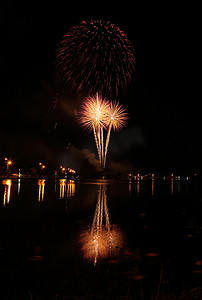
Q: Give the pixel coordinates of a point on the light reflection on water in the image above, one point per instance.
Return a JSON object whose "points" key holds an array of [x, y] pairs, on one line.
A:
{"points": [[19, 182], [64, 189], [67, 188], [172, 186], [7, 191], [41, 184]]}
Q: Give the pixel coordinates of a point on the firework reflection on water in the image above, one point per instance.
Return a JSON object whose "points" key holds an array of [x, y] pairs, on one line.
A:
{"points": [[101, 239]]}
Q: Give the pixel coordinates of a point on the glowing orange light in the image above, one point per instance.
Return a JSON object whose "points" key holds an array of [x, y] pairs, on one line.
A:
{"points": [[152, 187], [129, 186], [41, 184], [8, 162], [62, 188], [171, 186], [7, 191], [70, 188], [138, 186]]}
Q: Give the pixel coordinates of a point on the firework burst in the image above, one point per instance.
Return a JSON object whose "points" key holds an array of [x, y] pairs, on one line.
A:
{"points": [[94, 116], [94, 112], [99, 114], [95, 56], [117, 116]]}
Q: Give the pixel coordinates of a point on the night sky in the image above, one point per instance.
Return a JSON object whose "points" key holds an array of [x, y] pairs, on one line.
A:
{"points": [[164, 131]]}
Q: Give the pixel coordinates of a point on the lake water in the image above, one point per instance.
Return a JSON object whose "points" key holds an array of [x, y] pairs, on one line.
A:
{"points": [[111, 239]]}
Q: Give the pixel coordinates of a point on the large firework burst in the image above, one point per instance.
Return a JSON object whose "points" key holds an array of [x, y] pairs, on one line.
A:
{"points": [[97, 114], [96, 56]]}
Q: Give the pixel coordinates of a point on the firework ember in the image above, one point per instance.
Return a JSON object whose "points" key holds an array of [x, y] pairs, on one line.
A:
{"points": [[96, 56]]}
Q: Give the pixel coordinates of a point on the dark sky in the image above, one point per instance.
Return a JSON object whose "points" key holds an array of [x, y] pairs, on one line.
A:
{"points": [[164, 131]]}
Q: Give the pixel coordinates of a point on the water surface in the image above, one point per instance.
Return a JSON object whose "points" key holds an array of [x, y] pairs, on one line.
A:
{"points": [[41, 222]]}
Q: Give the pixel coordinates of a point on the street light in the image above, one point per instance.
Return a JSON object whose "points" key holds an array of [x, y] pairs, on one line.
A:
{"points": [[42, 166], [8, 162]]}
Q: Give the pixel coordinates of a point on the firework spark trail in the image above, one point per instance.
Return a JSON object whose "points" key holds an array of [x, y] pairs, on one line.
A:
{"points": [[117, 117], [93, 116], [96, 56], [107, 143], [102, 144], [96, 142], [99, 143]]}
